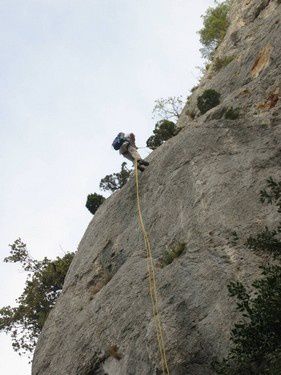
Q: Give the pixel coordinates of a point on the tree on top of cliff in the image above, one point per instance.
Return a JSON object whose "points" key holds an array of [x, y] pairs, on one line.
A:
{"points": [[42, 288], [215, 25]]}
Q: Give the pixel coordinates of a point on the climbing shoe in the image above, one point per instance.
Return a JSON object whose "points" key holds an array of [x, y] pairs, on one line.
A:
{"points": [[140, 167], [143, 162]]}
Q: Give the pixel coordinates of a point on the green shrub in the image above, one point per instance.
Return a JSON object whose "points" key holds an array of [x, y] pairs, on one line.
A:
{"points": [[115, 181], [232, 114], [172, 253], [272, 194], [208, 100], [163, 131], [94, 201], [222, 62], [256, 338], [43, 286], [215, 25]]}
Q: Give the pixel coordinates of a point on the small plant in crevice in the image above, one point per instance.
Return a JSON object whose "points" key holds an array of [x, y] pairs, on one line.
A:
{"points": [[232, 114], [170, 254], [208, 100], [222, 62]]}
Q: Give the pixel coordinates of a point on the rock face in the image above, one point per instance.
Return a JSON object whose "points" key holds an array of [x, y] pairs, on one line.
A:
{"points": [[200, 186]]}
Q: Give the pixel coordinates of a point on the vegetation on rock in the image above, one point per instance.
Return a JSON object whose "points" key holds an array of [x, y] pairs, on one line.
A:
{"points": [[215, 25], [208, 100], [170, 254], [117, 180], [42, 288], [232, 114], [163, 131], [94, 201], [222, 62], [256, 338]]}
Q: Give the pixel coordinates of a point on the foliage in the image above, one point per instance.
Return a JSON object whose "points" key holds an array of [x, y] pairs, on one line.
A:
{"points": [[222, 62], [115, 181], [42, 288], [168, 109], [215, 25], [163, 131], [272, 194], [94, 201], [209, 99], [172, 253], [256, 338], [267, 240], [232, 114]]}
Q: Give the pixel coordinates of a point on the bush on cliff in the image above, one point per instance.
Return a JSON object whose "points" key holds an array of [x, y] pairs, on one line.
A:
{"points": [[208, 100], [256, 338], [94, 201], [43, 286], [117, 180], [215, 25], [163, 131]]}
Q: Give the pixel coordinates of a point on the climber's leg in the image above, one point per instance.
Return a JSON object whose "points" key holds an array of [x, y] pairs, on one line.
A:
{"points": [[143, 162], [141, 168], [134, 153], [128, 156]]}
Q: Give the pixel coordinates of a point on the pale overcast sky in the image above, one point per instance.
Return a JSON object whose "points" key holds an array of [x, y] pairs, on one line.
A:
{"points": [[73, 74]]}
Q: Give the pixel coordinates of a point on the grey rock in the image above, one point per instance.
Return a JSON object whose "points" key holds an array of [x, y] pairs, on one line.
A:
{"points": [[200, 186]]}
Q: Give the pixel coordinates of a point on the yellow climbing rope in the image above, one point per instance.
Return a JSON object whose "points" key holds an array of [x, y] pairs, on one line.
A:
{"points": [[152, 283]]}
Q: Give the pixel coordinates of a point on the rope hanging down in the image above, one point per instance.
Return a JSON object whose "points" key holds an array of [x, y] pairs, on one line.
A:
{"points": [[152, 283]]}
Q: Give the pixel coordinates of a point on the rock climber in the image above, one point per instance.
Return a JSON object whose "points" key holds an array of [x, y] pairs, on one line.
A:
{"points": [[126, 144]]}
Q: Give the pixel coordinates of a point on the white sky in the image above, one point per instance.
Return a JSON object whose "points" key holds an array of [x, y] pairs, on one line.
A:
{"points": [[73, 74]]}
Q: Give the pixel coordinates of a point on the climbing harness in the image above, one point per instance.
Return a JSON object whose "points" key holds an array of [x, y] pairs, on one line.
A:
{"points": [[152, 283]]}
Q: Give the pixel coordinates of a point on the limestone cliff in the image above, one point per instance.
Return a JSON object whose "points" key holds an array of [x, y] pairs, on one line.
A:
{"points": [[200, 186]]}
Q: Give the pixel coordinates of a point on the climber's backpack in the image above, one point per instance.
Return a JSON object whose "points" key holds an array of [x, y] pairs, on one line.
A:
{"points": [[118, 141]]}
